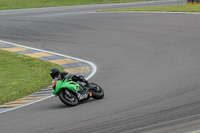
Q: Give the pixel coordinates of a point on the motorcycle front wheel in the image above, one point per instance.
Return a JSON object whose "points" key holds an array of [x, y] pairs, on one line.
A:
{"points": [[68, 99]]}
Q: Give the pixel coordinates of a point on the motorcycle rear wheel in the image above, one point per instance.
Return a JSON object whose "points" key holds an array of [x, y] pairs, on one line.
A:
{"points": [[97, 94], [70, 101]]}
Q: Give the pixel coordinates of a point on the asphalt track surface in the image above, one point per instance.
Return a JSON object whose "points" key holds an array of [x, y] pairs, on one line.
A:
{"points": [[148, 65]]}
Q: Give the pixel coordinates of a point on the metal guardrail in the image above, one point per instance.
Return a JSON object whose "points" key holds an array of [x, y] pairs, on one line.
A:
{"points": [[190, 2]]}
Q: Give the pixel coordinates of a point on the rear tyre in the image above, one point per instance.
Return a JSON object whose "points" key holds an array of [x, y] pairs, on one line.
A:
{"points": [[69, 100], [98, 92]]}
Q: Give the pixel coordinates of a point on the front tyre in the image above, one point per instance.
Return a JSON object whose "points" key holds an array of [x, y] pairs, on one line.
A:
{"points": [[68, 99], [97, 92]]}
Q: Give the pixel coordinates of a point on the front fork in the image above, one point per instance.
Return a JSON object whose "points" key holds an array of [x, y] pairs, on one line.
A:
{"points": [[67, 93]]}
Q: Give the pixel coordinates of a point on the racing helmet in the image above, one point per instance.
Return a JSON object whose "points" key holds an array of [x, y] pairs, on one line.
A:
{"points": [[54, 72]]}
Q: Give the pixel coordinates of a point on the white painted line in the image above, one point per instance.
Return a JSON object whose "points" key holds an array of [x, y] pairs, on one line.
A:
{"points": [[194, 13], [196, 132], [26, 104], [94, 67], [93, 71], [151, 12]]}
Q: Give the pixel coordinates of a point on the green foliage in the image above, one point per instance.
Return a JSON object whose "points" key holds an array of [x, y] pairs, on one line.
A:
{"points": [[176, 8], [17, 4], [22, 75]]}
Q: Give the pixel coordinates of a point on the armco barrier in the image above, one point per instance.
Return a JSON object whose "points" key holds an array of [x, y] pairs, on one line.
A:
{"points": [[195, 1], [189, 2]]}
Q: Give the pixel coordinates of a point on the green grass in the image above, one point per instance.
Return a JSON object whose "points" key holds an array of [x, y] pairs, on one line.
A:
{"points": [[176, 8], [16, 4], [21, 75]]}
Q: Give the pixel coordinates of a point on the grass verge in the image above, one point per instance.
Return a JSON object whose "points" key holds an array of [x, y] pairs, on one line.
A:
{"points": [[22, 75], [176, 8], [19, 4]]}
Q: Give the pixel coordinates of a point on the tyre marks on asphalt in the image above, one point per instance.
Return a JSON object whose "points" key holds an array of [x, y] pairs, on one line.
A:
{"points": [[70, 64]]}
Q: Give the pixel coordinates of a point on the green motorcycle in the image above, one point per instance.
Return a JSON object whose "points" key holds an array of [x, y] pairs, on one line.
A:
{"points": [[71, 92]]}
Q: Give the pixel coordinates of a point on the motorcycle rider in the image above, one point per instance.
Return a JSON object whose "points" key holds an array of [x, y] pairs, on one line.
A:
{"points": [[57, 75]]}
